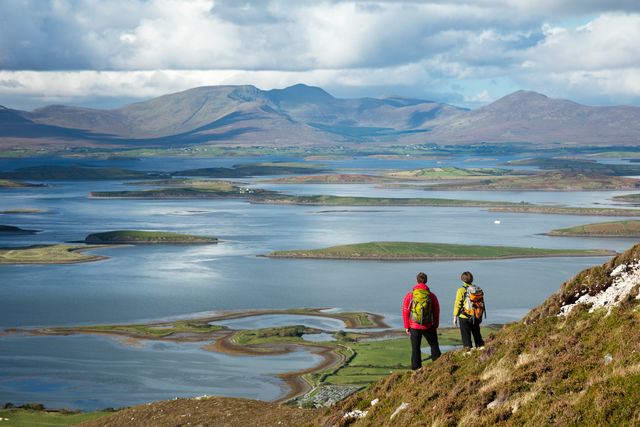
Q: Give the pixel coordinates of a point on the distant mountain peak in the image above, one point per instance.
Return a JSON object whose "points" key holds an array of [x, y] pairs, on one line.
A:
{"points": [[300, 93]]}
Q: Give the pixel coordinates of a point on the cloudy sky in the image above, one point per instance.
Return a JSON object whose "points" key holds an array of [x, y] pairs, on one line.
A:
{"points": [[105, 53]]}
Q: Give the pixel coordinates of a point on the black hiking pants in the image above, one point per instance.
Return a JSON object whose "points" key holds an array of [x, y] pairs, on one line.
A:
{"points": [[431, 335], [468, 328]]}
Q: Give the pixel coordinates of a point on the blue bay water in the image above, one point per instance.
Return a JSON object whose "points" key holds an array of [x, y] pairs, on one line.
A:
{"points": [[139, 283]]}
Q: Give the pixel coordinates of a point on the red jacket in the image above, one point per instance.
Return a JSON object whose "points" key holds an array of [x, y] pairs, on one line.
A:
{"points": [[435, 306]]}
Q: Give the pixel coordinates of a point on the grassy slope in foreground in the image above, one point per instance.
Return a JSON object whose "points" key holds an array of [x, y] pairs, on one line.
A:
{"points": [[603, 229], [389, 251], [580, 369], [145, 237], [47, 254]]}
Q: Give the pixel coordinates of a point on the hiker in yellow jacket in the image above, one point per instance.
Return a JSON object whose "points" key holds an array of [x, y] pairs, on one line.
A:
{"points": [[468, 324]]}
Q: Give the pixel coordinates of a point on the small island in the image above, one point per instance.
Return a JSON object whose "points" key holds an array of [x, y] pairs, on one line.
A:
{"points": [[20, 211], [10, 229], [412, 251], [9, 183], [545, 181], [629, 198], [604, 229], [137, 237], [48, 254]]}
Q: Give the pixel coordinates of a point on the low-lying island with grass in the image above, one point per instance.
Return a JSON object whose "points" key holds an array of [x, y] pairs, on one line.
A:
{"points": [[415, 251], [629, 229], [138, 237]]}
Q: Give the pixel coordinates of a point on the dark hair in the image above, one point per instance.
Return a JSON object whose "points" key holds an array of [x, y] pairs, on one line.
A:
{"points": [[467, 277], [421, 277]]}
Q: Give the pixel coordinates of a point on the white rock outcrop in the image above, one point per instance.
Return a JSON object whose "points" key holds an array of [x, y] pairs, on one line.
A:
{"points": [[626, 278]]}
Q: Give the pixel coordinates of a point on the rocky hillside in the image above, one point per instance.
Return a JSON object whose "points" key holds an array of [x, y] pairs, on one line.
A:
{"points": [[574, 360], [305, 115]]}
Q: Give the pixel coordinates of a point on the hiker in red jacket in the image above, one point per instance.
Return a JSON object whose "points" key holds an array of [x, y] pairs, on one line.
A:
{"points": [[421, 315]]}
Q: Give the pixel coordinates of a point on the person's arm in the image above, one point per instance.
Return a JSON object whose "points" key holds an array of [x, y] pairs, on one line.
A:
{"points": [[457, 305], [405, 311], [435, 306]]}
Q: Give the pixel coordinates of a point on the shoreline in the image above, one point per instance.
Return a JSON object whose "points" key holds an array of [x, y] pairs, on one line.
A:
{"points": [[223, 341]]}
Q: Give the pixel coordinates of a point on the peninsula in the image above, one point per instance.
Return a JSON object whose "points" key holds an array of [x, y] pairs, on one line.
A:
{"points": [[138, 237], [604, 229], [410, 251]]}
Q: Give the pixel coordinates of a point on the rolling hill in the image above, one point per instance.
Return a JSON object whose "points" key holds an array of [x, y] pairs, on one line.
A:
{"points": [[303, 115]]}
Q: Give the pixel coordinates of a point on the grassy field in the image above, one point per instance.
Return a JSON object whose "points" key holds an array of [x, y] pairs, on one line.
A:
{"points": [[145, 237], [372, 360], [427, 251], [31, 418], [603, 229], [48, 254]]}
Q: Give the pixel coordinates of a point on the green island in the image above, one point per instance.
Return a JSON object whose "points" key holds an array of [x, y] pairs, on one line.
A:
{"points": [[74, 172], [329, 179], [146, 237], [403, 251], [450, 173], [22, 211], [545, 181], [49, 254], [565, 210], [628, 198], [10, 229], [184, 189], [579, 165], [327, 200], [213, 189], [253, 169], [603, 229], [9, 183]]}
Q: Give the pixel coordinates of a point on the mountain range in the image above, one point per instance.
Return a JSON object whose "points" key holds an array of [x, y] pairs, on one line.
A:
{"points": [[309, 116]]}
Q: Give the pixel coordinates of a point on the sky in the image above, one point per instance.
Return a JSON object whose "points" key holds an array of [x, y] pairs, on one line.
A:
{"points": [[107, 53]]}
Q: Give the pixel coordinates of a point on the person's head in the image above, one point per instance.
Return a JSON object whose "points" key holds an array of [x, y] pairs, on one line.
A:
{"points": [[421, 277], [467, 277]]}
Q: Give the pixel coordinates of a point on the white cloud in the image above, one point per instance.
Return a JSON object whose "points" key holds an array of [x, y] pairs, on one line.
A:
{"points": [[63, 49]]}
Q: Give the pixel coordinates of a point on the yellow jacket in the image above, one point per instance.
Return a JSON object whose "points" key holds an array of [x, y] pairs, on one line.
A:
{"points": [[458, 305]]}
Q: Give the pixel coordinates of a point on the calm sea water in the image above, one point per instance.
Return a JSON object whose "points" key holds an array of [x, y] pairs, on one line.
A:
{"points": [[157, 282]]}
